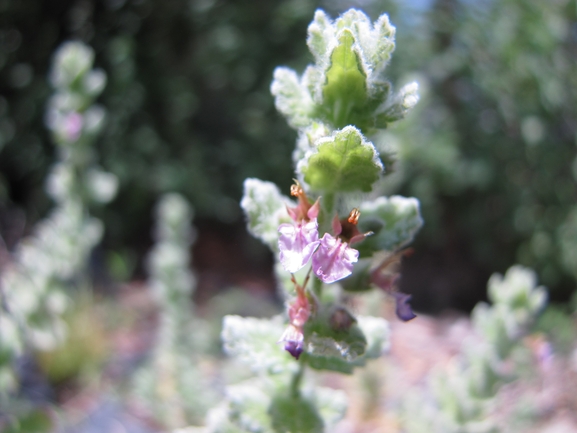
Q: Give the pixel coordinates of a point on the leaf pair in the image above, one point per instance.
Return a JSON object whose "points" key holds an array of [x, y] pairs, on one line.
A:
{"points": [[346, 85]]}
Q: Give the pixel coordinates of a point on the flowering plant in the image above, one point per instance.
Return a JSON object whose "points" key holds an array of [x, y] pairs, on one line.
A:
{"points": [[34, 291], [325, 250], [464, 397], [172, 383]]}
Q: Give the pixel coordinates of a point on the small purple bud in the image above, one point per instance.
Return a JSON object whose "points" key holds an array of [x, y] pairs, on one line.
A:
{"points": [[293, 340], [403, 309], [294, 348]]}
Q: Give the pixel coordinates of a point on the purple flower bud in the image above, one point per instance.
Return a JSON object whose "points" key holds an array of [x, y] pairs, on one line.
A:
{"points": [[297, 243], [334, 259], [293, 340], [403, 309]]}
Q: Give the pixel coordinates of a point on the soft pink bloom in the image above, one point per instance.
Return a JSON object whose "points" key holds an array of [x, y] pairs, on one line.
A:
{"points": [[334, 259], [332, 256], [73, 126], [297, 243]]}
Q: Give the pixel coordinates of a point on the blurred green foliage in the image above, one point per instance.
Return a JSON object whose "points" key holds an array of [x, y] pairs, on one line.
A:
{"points": [[559, 327], [85, 349], [490, 151], [188, 101]]}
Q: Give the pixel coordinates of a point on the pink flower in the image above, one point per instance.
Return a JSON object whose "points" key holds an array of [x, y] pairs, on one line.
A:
{"points": [[73, 126], [297, 243], [299, 240], [334, 259], [332, 256]]}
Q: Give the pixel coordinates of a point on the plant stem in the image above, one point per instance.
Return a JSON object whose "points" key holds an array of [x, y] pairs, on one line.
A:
{"points": [[317, 287], [328, 206], [297, 379]]}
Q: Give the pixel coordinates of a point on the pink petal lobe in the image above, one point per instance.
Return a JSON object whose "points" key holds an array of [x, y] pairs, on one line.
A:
{"points": [[314, 210], [334, 259], [297, 243], [73, 126]]}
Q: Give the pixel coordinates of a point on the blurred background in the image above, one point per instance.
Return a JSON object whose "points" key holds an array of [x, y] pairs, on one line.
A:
{"points": [[490, 150]]}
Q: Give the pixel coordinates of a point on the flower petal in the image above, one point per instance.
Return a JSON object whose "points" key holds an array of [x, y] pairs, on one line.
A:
{"points": [[73, 126], [334, 259], [297, 243], [403, 309]]}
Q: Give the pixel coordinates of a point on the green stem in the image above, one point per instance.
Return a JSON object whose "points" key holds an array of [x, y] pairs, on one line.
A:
{"points": [[317, 287], [328, 212], [297, 379]]}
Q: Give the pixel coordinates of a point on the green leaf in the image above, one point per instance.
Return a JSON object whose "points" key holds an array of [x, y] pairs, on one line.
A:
{"points": [[267, 407], [331, 404], [330, 347], [491, 324], [394, 222], [342, 162], [292, 98], [248, 405], [255, 342], [377, 333], [376, 42], [265, 208], [514, 289], [294, 413], [398, 106], [360, 279], [345, 89], [307, 138], [320, 33], [346, 85], [70, 62], [342, 350]]}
